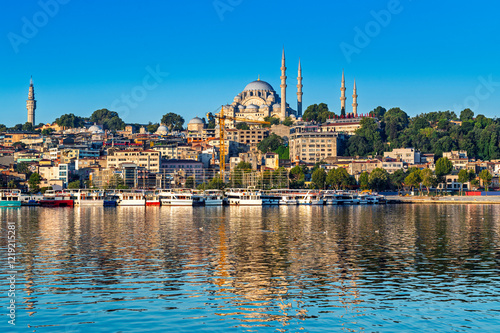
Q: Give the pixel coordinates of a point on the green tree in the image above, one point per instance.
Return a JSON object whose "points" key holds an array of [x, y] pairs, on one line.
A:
{"points": [[378, 112], [34, 182], [242, 126], [271, 143], [395, 120], [317, 112], [428, 179], [466, 115], [297, 176], [486, 177], [398, 178], [288, 121], [190, 182], [70, 120], [272, 120], [12, 184], [23, 167], [173, 121], [379, 179], [210, 120], [151, 128], [413, 179], [338, 178], [443, 168], [108, 119], [28, 127], [3, 128], [318, 178], [364, 183], [74, 185], [243, 166], [283, 152], [47, 131], [463, 177]]}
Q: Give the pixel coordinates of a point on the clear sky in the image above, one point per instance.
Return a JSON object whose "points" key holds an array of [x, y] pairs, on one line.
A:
{"points": [[419, 55]]}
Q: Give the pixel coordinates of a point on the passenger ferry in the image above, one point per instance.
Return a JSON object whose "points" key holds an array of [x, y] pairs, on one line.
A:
{"points": [[52, 198], [31, 200], [213, 197], [152, 198], [270, 198], [310, 198], [286, 197], [130, 198], [242, 197], [367, 198], [347, 198], [181, 197], [84, 198], [329, 198], [10, 198]]}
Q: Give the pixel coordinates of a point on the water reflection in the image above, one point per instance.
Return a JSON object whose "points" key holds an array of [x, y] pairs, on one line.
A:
{"points": [[380, 268]]}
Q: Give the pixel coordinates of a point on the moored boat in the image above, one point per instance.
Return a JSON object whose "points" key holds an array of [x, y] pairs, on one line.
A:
{"points": [[152, 198], [10, 198], [130, 198], [52, 198], [242, 197], [213, 197]]}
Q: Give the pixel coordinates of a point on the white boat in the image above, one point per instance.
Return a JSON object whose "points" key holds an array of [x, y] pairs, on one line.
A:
{"points": [[152, 198], [286, 197], [181, 197], [10, 198], [329, 198], [310, 198], [213, 197], [130, 198], [242, 197], [89, 198], [30, 200], [347, 198], [270, 198]]}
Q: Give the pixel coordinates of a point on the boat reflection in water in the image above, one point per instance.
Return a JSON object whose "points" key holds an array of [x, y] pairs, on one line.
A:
{"points": [[356, 268]]}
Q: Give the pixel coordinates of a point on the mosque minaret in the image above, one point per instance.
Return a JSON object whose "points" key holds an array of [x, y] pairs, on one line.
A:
{"points": [[342, 93], [354, 100], [283, 87], [31, 103], [299, 91]]}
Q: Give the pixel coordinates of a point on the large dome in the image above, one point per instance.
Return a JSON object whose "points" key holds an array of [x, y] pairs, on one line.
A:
{"points": [[196, 120], [258, 85]]}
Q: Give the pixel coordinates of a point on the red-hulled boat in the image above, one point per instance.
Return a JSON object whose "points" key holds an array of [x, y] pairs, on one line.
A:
{"points": [[56, 199]]}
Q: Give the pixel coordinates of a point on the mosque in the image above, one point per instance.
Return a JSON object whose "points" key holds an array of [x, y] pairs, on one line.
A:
{"points": [[259, 100]]}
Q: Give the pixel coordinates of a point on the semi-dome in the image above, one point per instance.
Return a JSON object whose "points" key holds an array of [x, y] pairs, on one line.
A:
{"points": [[196, 120], [258, 85], [252, 106]]}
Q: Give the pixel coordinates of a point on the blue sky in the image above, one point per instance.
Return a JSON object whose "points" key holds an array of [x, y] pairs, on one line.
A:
{"points": [[419, 55]]}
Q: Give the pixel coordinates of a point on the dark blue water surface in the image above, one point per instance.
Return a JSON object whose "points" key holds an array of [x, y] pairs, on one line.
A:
{"points": [[393, 268]]}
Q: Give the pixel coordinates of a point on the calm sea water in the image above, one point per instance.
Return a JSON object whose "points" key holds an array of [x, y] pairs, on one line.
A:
{"points": [[393, 268]]}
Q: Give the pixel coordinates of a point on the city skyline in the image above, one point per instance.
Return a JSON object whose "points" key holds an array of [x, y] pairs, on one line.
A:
{"points": [[193, 59]]}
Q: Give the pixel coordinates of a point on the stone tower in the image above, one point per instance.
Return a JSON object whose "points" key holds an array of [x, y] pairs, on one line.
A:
{"points": [[342, 93], [31, 103], [354, 100], [283, 87], [299, 92]]}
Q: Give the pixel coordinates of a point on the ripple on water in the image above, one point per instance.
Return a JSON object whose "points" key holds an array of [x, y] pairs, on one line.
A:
{"points": [[375, 269]]}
